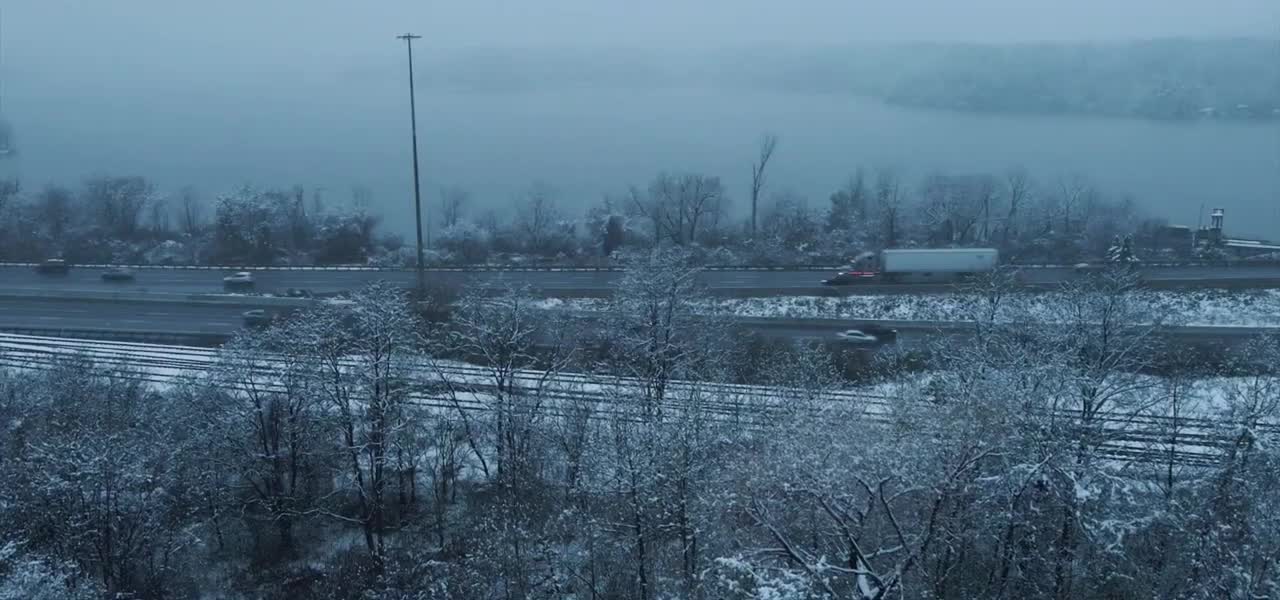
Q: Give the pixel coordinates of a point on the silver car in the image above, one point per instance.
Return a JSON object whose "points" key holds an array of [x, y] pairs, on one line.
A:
{"points": [[241, 280], [857, 336]]}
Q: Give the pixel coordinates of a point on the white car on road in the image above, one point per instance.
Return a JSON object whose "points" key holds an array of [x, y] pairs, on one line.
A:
{"points": [[857, 336], [870, 334], [241, 280]]}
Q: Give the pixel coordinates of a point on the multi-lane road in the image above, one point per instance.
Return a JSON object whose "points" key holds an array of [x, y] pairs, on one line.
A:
{"points": [[326, 281], [192, 281], [216, 321], [53, 313], [567, 281], [30, 301]]}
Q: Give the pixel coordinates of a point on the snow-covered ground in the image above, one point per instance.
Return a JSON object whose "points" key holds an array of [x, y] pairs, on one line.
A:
{"points": [[163, 367], [1234, 308]]}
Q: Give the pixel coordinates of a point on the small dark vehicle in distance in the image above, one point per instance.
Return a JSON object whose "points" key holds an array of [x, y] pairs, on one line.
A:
{"points": [[880, 332], [53, 266], [118, 274], [261, 318], [257, 318]]}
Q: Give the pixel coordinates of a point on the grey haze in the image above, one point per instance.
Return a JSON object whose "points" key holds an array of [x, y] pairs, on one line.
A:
{"points": [[312, 92]]}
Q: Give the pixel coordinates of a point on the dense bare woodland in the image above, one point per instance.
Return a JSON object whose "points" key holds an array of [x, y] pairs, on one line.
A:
{"points": [[349, 453], [128, 220]]}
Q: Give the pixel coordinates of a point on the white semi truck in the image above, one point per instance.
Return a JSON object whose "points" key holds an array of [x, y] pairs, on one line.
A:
{"points": [[933, 265]]}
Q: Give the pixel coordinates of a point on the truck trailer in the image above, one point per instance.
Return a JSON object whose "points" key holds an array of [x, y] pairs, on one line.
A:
{"points": [[931, 265]]}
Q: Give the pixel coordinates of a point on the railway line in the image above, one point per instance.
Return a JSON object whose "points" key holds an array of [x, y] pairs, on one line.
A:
{"points": [[447, 385]]}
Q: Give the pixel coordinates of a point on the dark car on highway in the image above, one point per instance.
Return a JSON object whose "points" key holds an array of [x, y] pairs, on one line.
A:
{"points": [[298, 293], [53, 266], [849, 278], [257, 318], [118, 274], [886, 335], [261, 318]]}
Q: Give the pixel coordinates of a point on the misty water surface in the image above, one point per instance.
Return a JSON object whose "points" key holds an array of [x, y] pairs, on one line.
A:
{"points": [[588, 141]]}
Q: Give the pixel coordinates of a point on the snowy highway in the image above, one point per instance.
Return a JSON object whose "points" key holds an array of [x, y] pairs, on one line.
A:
{"points": [[574, 282], [40, 314]]}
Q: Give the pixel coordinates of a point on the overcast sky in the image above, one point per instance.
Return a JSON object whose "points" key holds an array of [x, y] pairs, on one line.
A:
{"points": [[214, 93], [159, 32]]}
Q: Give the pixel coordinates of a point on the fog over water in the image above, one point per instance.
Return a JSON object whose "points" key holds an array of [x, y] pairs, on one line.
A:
{"points": [[313, 93]]}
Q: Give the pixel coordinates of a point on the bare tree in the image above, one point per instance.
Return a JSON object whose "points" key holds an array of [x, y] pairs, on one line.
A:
{"points": [[158, 215], [790, 221], [511, 338], [767, 146], [889, 202], [118, 202], [362, 361], [453, 202], [663, 438], [269, 427], [537, 216], [680, 207], [957, 209], [9, 190], [654, 327], [1017, 190], [103, 474], [849, 204], [985, 190], [361, 196], [55, 206], [1073, 194], [192, 211]]}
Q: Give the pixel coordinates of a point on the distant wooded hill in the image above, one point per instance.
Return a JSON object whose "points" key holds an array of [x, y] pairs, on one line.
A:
{"points": [[1176, 79]]}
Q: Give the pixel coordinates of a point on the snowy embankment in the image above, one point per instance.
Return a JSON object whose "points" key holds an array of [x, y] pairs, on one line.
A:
{"points": [[464, 389], [1223, 308]]}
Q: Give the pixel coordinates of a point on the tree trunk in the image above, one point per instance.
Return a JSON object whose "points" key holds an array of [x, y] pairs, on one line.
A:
{"points": [[642, 558], [287, 545], [1066, 552]]}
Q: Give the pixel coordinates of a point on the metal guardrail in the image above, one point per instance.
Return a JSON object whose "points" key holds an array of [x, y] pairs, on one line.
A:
{"points": [[180, 338], [833, 325], [609, 269], [156, 297], [432, 269], [1226, 264]]}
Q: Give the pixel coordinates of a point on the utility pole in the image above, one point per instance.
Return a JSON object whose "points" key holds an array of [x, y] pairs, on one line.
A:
{"points": [[1195, 237], [6, 132], [417, 193]]}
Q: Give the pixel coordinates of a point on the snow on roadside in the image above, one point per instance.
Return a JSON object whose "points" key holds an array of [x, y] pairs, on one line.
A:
{"points": [[1223, 308]]}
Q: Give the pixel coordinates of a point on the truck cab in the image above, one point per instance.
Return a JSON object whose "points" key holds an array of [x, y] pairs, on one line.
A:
{"points": [[864, 267]]}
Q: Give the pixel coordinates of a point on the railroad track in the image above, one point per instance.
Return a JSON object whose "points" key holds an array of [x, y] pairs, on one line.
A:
{"points": [[1194, 441]]}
